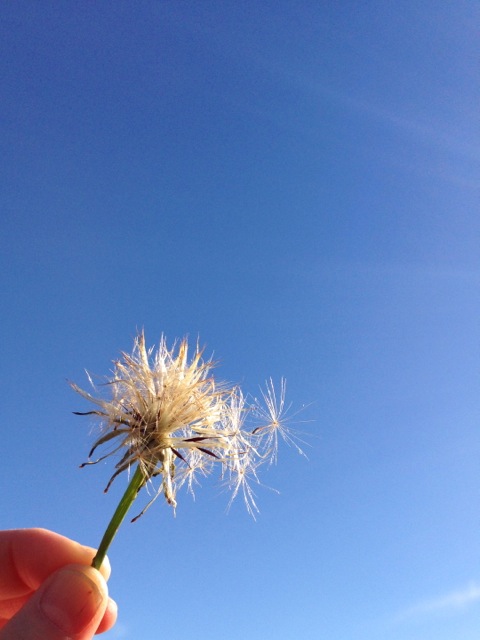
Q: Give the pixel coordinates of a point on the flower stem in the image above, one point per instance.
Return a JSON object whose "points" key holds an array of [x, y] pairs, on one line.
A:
{"points": [[134, 486]]}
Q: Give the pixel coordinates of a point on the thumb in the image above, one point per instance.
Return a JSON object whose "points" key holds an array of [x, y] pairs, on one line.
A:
{"points": [[69, 605]]}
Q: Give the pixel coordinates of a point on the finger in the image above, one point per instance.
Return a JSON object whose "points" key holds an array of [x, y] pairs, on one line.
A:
{"points": [[70, 604], [109, 617], [29, 556], [10, 608]]}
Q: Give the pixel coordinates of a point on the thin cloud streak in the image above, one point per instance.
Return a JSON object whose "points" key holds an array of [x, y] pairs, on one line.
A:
{"points": [[452, 602]]}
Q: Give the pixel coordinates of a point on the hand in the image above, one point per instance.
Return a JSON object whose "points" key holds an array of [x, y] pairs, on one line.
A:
{"points": [[48, 589]]}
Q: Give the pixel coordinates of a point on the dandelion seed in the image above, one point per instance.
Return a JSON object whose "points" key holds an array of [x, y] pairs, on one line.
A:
{"points": [[167, 415], [275, 416]]}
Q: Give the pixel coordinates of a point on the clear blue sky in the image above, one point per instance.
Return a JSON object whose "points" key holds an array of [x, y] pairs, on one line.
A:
{"points": [[297, 183]]}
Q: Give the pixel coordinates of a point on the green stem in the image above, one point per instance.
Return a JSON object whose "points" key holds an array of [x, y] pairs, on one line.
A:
{"points": [[134, 486]]}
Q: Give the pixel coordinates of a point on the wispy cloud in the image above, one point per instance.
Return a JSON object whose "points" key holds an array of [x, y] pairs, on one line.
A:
{"points": [[453, 602], [120, 630]]}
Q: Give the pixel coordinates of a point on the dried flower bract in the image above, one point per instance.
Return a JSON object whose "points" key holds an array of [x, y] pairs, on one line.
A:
{"points": [[166, 413]]}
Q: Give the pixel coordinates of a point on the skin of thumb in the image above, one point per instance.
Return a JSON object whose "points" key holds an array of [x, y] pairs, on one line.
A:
{"points": [[69, 605]]}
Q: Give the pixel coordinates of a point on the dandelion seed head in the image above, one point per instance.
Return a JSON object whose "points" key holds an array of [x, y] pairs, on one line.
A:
{"points": [[166, 412]]}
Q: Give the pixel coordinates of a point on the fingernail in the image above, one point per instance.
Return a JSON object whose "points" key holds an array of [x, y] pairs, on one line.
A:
{"points": [[71, 601]]}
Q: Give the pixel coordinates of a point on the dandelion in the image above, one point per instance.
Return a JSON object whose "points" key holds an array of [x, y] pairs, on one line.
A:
{"points": [[169, 417]]}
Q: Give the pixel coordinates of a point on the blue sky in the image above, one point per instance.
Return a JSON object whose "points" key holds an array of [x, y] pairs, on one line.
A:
{"points": [[296, 183]]}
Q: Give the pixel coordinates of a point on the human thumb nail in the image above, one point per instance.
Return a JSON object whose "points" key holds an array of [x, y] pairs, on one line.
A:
{"points": [[69, 605], [71, 600]]}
